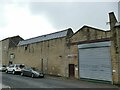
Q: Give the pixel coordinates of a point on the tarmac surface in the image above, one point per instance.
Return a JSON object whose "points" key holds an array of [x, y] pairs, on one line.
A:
{"points": [[18, 81]]}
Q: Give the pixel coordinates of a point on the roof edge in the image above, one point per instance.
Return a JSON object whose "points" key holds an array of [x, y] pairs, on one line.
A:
{"points": [[66, 30], [11, 37], [47, 34], [84, 26]]}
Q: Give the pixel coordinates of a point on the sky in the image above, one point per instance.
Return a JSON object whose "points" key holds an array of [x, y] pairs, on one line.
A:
{"points": [[31, 18]]}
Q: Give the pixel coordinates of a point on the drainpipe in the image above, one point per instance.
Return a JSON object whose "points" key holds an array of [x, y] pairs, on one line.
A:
{"points": [[42, 65]]}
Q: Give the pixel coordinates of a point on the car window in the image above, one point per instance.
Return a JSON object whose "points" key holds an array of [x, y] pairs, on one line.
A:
{"points": [[17, 65], [30, 69], [11, 66], [21, 66], [26, 68], [35, 69], [4, 65]]}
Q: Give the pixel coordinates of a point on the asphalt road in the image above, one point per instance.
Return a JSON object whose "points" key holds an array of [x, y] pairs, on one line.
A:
{"points": [[18, 81]]}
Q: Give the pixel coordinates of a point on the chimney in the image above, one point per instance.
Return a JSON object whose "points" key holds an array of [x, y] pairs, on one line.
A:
{"points": [[113, 20], [114, 49]]}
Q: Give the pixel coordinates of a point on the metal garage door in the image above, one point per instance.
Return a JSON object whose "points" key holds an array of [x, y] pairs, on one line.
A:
{"points": [[94, 61]]}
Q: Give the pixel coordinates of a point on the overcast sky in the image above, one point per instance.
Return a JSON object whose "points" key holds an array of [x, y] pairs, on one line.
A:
{"points": [[34, 18]]}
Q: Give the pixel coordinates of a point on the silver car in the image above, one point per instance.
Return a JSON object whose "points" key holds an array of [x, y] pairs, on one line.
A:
{"points": [[28, 71], [2, 68]]}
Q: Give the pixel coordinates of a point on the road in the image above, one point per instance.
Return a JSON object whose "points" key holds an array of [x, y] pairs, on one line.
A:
{"points": [[18, 81]]}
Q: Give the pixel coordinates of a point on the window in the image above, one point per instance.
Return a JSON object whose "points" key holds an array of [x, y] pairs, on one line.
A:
{"points": [[12, 56], [26, 48]]}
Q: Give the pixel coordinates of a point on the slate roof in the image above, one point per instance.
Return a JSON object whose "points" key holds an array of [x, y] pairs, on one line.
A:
{"points": [[13, 41], [44, 37]]}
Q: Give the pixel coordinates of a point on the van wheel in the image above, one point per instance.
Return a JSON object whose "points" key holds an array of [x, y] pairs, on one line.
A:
{"points": [[6, 71], [22, 74], [13, 72], [32, 75]]}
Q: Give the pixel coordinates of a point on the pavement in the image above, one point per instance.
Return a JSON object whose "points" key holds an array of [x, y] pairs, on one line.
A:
{"points": [[3, 86]]}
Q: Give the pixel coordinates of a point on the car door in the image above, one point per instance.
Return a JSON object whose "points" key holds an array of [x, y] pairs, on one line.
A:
{"points": [[29, 72], [25, 71], [10, 69]]}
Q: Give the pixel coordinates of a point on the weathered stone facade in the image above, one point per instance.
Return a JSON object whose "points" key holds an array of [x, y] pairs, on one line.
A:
{"points": [[85, 35], [48, 56], [117, 66], [5, 44], [114, 48], [116, 56], [53, 56]]}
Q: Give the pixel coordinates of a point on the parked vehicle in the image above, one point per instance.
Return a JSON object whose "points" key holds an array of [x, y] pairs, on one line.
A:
{"points": [[28, 71], [3, 68], [15, 68]]}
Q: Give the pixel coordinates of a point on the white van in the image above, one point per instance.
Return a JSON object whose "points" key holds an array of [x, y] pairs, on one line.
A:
{"points": [[15, 68]]}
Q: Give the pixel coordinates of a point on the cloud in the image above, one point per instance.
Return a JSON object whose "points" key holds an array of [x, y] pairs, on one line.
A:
{"points": [[19, 20], [30, 18]]}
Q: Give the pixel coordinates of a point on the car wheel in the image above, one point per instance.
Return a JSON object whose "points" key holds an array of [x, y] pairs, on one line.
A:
{"points": [[41, 76], [6, 71], [13, 72], [22, 74], [32, 75]]}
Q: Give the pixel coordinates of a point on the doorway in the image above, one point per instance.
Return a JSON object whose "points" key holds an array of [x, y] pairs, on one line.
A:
{"points": [[10, 62], [71, 70]]}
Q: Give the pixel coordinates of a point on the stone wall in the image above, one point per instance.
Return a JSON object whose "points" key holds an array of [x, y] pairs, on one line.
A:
{"points": [[5, 46], [115, 50], [85, 35], [47, 56]]}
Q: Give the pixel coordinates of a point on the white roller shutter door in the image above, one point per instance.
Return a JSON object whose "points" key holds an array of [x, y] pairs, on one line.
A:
{"points": [[95, 61]]}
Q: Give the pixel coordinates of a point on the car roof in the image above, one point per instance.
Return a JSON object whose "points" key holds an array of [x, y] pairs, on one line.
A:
{"points": [[17, 64]]}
